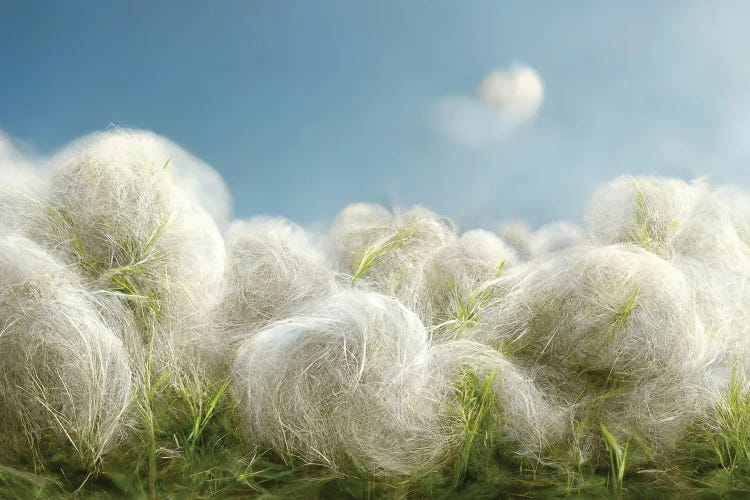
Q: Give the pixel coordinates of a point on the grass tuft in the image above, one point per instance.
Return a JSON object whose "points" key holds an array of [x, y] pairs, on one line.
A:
{"points": [[643, 231], [380, 248], [477, 412], [618, 456]]}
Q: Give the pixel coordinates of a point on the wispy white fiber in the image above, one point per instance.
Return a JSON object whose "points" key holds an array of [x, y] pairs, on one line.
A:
{"points": [[62, 368], [374, 345], [274, 267]]}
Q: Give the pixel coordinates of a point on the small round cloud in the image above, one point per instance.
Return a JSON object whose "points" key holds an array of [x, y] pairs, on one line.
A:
{"points": [[505, 101], [517, 92]]}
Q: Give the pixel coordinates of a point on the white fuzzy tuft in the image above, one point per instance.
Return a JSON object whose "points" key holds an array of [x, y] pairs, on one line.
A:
{"points": [[63, 371], [273, 269]]}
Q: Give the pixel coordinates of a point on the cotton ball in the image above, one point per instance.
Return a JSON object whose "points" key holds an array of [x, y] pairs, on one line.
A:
{"points": [[722, 297], [354, 229], [21, 179], [647, 211], [671, 218], [528, 420], [115, 210], [330, 386], [557, 236], [119, 318], [387, 253], [474, 258], [483, 253], [621, 321], [17, 202], [613, 308], [273, 269], [64, 373], [711, 235], [453, 276], [737, 203], [549, 238], [519, 236], [190, 173]]}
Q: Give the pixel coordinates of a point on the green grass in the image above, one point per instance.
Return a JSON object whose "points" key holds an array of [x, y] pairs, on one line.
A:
{"points": [[729, 437], [621, 317], [642, 218], [184, 438], [618, 456], [128, 271], [380, 248], [191, 449], [646, 235], [477, 412], [717, 455], [466, 307]]}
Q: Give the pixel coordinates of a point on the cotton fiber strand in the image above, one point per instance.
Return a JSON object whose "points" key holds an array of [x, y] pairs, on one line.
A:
{"points": [[20, 182], [549, 238], [330, 386], [712, 235], [374, 348], [647, 211], [356, 381], [452, 279], [622, 320], [273, 269], [64, 374], [529, 421], [190, 174], [387, 252], [722, 299], [115, 210]]}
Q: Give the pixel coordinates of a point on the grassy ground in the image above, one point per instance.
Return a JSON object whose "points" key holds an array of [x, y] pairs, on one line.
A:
{"points": [[184, 445]]}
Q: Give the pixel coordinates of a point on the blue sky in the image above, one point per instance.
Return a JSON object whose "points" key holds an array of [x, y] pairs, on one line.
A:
{"points": [[304, 107]]}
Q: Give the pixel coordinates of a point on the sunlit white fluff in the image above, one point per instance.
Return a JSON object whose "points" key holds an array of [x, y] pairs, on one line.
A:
{"points": [[387, 252], [273, 268], [64, 373], [354, 380], [116, 210], [618, 321]]}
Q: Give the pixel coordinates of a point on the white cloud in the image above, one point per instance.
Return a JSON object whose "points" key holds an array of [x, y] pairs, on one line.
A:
{"points": [[470, 122], [517, 94], [504, 101]]}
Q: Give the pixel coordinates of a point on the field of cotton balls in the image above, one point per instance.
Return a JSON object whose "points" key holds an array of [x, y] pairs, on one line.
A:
{"points": [[152, 347]]}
